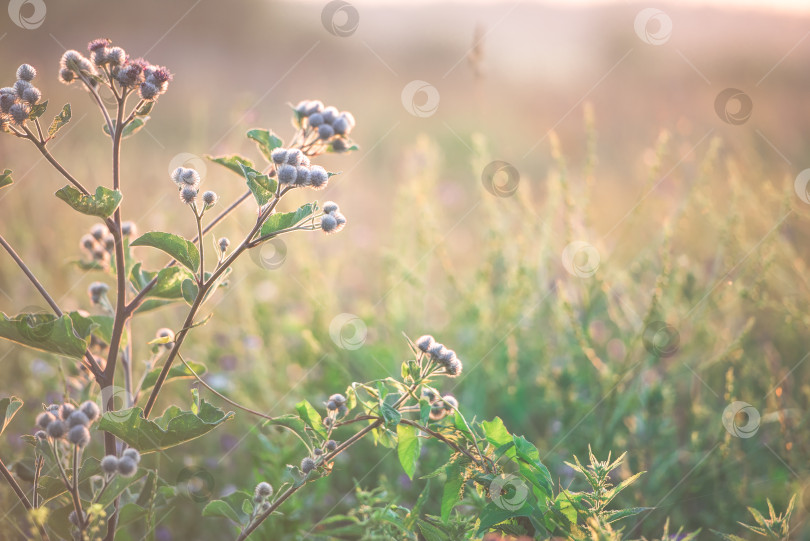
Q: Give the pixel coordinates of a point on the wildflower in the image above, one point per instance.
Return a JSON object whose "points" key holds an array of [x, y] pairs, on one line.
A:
{"points": [[210, 198], [223, 244], [307, 465], [147, 91], [316, 120], [65, 410], [302, 176], [98, 231], [96, 291], [331, 445], [19, 113], [437, 412], [329, 207], [425, 342], [294, 156], [339, 145], [79, 436], [429, 395], [338, 399], [329, 115], [26, 72], [132, 454], [450, 402], [344, 123], [77, 418], [454, 368], [41, 434], [318, 451], [186, 177], [278, 155], [32, 95], [131, 73], [116, 56], [325, 131], [109, 242], [66, 76], [98, 44], [77, 63], [109, 464], [287, 174], [331, 405], [90, 409], [341, 221], [44, 419], [188, 195], [158, 76], [20, 87], [328, 224], [263, 490], [318, 177], [6, 101], [342, 410], [128, 229], [56, 429], [435, 349], [127, 467]]}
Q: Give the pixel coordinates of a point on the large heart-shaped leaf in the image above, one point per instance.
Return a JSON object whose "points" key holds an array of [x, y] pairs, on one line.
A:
{"points": [[266, 141], [44, 332], [102, 204], [184, 251], [234, 163], [172, 428], [282, 220]]}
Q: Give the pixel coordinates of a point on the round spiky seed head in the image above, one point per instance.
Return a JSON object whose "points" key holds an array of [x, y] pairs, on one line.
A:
{"points": [[341, 126], [210, 198], [44, 419], [325, 131], [188, 195], [454, 368], [302, 176], [331, 405], [79, 436], [147, 91], [54, 409], [65, 410], [20, 87], [263, 490], [425, 342], [8, 90], [109, 464], [331, 445], [314, 106], [90, 409], [307, 465], [341, 221], [316, 120], [329, 207], [41, 434], [343, 410], [96, 291], [132, 454], [294, 156], [109, 242], [329, 114], [98, 44], [26, 72], [66, 76], [287, 174], [437, 412], [19, 113], [128, 229], [224, 243], [56, 429], [318, 452], [116, 56], [327, 421], [78, 418], [436, 348], [190, 177], [6, 101], [99, 58], [99, 231], [278, 155], [74, 518], [430, 395], [339, 145], [318, 177], [450, 402], [301, 107], [338, 399], [127, 467], [165, 333], [32, 95], [446, 356], [305, 161]]}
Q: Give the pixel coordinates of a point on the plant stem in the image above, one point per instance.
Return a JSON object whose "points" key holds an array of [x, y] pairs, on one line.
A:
{"points": [[22, 497]]}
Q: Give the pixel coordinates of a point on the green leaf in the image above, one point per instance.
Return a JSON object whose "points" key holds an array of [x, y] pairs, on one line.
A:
{"points": [[130, 129], [294, 424], [43, 332], [234, 163], [492, 515], [37, 110], [408, 447], [311, 417], [453, 486], [169, 283], [566, 507], [184, 251], [152, 304], [496, 432], [431, 532], [190, 291], [145, 109], [219, 508], [9, 406], [102, 204], [175, 372], [5, 178], [266, 141], [528, 459], [390, 414], [283, 220], [82, 325], [261, 186], [60, 120], [172, 428]]}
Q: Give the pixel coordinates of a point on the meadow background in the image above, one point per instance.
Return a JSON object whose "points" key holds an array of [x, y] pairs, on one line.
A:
{"points": [[618, 143]]}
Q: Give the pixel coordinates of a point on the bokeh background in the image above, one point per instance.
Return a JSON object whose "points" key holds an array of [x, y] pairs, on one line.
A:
{"points": [[683, 290]]}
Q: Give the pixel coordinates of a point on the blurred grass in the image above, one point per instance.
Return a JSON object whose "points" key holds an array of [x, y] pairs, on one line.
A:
{"points": [[695, 221]]}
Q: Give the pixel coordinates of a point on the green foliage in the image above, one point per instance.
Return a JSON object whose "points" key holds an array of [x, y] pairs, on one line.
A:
{"points": [[59, 120], [184, 251], [5, 178], [102, 204], [265, 140], [44, 332], [283, 220], [260, 185]]}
